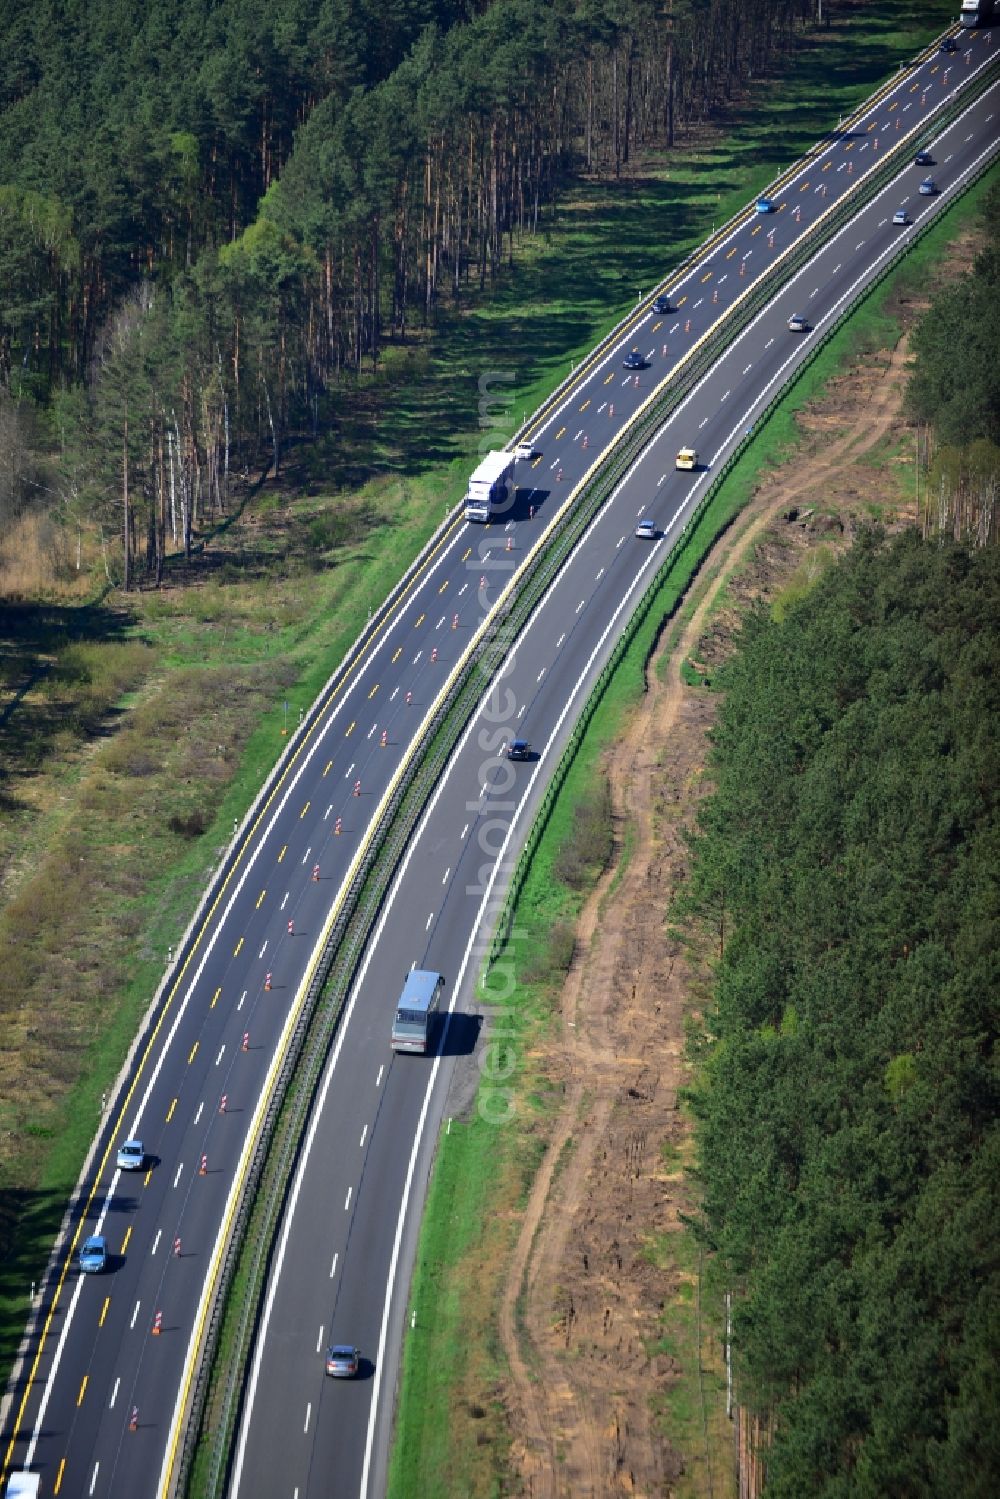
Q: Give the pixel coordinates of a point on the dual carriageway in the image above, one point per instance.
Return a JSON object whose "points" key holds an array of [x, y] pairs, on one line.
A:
{"points": [[346, 1245]]}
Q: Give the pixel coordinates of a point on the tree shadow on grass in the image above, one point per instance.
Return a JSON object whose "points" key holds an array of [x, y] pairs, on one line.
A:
{"points": [[490, 355], [31, 638], [29, 1222]]}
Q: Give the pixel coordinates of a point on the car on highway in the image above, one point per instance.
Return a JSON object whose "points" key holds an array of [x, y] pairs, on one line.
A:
{"points": [[519, 749], [131, 1156], [765, 205], [662, 304], [927, 188], [633, 360], [686, 458], [525, 450], [923, 159], [646, 530], [948, 44], [901, 217], [93, 1257], [342, 1361], [797, 323]]}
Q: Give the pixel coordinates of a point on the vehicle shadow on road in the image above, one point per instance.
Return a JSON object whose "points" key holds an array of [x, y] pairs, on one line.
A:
{"points": [[459, 1038]]}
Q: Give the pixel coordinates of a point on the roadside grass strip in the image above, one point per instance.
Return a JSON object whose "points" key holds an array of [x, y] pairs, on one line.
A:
{"points": [[451, 1437]]}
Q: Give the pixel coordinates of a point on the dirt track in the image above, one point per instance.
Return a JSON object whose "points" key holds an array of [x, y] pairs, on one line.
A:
{"points": [[583, 1303]]}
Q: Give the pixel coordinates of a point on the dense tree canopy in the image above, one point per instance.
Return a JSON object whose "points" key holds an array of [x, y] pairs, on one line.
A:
{"points": [[209, 209], [954, 388], [848, 864]]}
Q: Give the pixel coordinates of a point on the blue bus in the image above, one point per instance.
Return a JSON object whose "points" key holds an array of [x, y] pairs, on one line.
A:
{"points": [[413, 1027]]}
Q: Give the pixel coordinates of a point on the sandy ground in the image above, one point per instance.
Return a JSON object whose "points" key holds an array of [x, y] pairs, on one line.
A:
{"points": [[583, 1304]]}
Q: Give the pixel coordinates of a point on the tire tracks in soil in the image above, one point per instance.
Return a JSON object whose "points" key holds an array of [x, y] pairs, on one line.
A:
{"points": [[573, 1332]]}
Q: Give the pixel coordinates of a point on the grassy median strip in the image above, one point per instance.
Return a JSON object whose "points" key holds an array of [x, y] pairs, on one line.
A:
{"points": [[140, 823]]}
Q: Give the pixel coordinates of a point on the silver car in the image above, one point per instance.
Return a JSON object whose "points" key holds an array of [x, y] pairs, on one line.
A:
{"points": [[342, 1361], [131, 1156]]}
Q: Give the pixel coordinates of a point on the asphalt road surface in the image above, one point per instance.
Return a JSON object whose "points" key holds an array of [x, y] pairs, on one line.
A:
{"points": [[95, 1368]]}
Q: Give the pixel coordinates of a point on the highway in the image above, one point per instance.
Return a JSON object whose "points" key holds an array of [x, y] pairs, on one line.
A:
{"points": [[94, 1360]]}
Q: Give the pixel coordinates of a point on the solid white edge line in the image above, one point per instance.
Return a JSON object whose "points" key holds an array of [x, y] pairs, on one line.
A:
{"points": [[473, 938], [537, 769], [272, 1290], [349, 1009], [427, 1096], [136, 1127]]}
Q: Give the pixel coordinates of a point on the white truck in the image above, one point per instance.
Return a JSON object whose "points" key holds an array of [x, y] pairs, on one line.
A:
{"points": [[23, 1485], [976, 12], [488, 486]]}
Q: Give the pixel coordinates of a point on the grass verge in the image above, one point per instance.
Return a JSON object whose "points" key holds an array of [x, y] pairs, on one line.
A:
{"points": [[451, 1433], [118, 793]]}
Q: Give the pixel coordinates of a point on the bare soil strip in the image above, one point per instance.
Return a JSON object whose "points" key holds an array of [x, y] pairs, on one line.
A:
{"points": [[582, 1310]]}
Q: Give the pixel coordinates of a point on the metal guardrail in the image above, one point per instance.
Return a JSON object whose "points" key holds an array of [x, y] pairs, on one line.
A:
{"points": [[637, 619], [280, 1139], [278, 1148], [719, 235]]}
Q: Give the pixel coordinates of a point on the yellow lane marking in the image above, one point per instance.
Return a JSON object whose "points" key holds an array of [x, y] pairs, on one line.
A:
{"points": [[83, 1389], [350, 728], [215, 998], [655, 329], [329, 764], [418, 622], [444, 585], [397, 653], [170, 1111], [149, 1174], [755, 229], [260, 899], [194, 1053], [343, 683], [128, 1235], [559, 433], [348, 675], [465, 557], [682, 300], [609, 378], [731, 253], [827, 165], [373, 692], [104, 1311], [59, 1475], [707, 277], [305, 809], [284, 850], [236, 949], [804, 186], [585, 404]]}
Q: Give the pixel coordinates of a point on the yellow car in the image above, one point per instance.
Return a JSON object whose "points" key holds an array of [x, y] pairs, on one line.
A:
{"points": [[686, 458]]}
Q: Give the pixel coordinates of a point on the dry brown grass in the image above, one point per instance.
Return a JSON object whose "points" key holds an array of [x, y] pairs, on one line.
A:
{"points": [[39, 559], [69, 926]]}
